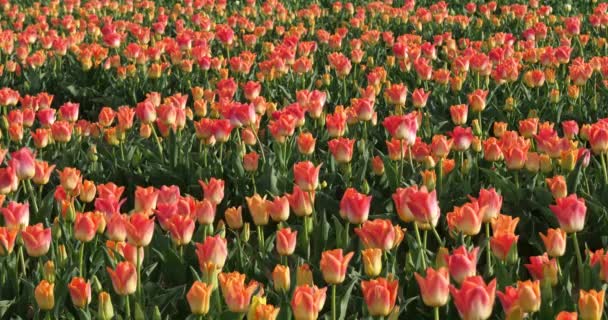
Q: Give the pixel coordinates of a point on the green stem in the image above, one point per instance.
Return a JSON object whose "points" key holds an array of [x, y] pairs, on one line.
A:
{"points": [[604, 169], [81, 259], [127, 308], [579, 259], [32, 193], [436, 313], [21, 259], [489, 251], [422, 252], [334, 288], [157, 139], [139, 288], [260, 238], [255, 133]]}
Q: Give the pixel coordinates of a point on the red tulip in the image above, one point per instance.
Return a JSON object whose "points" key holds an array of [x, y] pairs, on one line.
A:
{"points": [[333, 265], [24, 163], [16, 215], [181, 228], [7, 240], [286, 241], [466, 219], [459, 114], [474, 299], [140, 229], [278, 209], [462, 263], [214, 249], [306, 175], [555, 242], [424, 207], [355, 206], [124, 278], [542, 268], [85, 227], [570, 213], [80, 292], [378, 233], [301, 202], [434, 287], [402, 127], [37, 240], [213, 190], [341, 149], [477, 100]]}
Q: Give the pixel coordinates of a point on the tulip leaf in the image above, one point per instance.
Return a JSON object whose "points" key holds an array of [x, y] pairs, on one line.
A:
{"points": [[344, 301], [5, 305]]}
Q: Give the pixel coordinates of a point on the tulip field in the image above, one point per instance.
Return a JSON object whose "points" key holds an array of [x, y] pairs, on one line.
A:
{"points": [[289, 159]]}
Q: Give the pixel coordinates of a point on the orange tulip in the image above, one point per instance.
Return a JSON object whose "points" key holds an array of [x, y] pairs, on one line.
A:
{"points": [[258, 210], [7, 240], [234, 217], [214, 249], [286, 241], [529, 295], [236, 294], [37, 240], [181, 228], [281, 278], [44, 295], [372, 261], [140, 229], [565, 315], [80, 292], [198, 298], [70, 178], [304, 275], [124, 278], [555, 242], [334, 265], [307, 302], [306, 175], [380, 295], [434, 288], [591, 304]]}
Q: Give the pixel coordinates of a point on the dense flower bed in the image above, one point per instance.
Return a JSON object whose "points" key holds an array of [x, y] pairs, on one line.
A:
{"points": [[297, 159]]}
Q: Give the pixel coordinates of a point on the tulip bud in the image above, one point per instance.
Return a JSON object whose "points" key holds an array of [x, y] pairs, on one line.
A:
{"points": [[568, 160], [49, 271], [429, 179], [509, 104], [245, 233], [476, 127], [96, 284], [372, 261], [281, 278], [62, 254], [546, 165], [378, 166], [56, 229], [157, 315], [304, 276], [442, 257], [105, 310]]}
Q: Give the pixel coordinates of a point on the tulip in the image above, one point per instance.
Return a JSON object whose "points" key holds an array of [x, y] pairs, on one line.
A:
{"points": [[281, 278], [213, 190], [278, 209], [378, 233], [380, 295], [105, 310], [262, 311], [37, 240], [44, 295], [372, 261], [555, 242], [250, 161], [570, 213], [124, 278], [85, 227], [529, 295], [80, 292], [333, 265], [234, 217], [400, 199], [70, 179], [459, 114], [301, 202], [307, 302], [181, 228], [304, 275], [543, 269], [16, 215], [424, 207], [7, 240], [236, 294], [306, 143], [286, 241], [341, 149], [116, 228], [140, 229], [198, 298], [474, 299], [402, 127], [87, 191], [510, 303], [257, 208], [145, 199], [214, 250], [434, 288], [591, 304], [502, 243], [477, 100], [24, 163], [489, 203], [462, 263], [466, 219], [565, 315], [43, 172], [204, 211], [355, 206]]}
